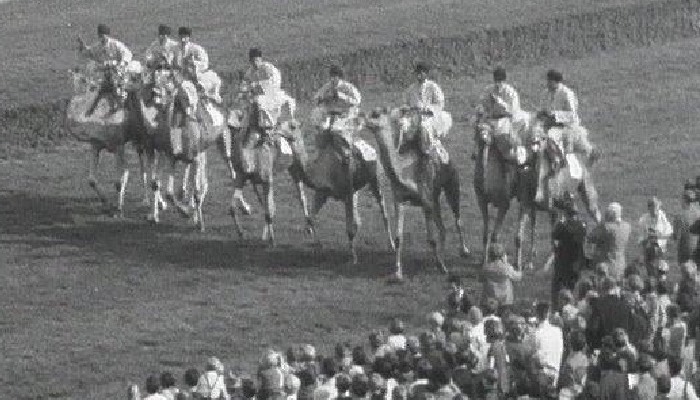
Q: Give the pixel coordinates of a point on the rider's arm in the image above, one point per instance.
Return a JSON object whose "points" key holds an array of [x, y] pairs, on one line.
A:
{"points": [[125, 54], [274, 78], [436, 97], [350, 94], [514, 102], [321, 93], [200, 59]]}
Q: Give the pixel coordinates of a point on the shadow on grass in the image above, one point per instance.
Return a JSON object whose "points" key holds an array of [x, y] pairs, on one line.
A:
{"points": [[46, 221]]}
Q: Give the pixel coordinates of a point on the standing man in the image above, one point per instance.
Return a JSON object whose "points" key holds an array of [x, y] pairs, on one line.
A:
{"points": [[568, 237], [426, 96], [564, 128], [499, 109], [610, 238], [109, 54]]}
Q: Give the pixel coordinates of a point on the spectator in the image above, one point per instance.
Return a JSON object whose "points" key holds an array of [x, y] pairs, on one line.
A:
{"points": [[688, 287], [167, 384], [211, 384], [396, 339], [608, 312], [676, 333], [326, 389], [463, 376], [292, 385], [689, 215], [497, 355], [152, 389], [422, 383], [613, 383], [575, 367], [646, 387], [498, 276], [568, 237], [549, 346], [307, 382], [133, 393], [359, 361], [191, 378], [359, 387], [271, 377], [520, 354], [654, 222], [663, 385], [248, 389], [681, 389], [610, 240], [456, 294]]}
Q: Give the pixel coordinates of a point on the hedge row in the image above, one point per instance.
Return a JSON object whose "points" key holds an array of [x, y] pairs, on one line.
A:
{"points": [[478, 51], [474, 53]]}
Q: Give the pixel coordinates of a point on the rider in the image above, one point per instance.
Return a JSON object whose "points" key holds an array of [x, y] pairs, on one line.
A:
{"points": [[565, 130], [426, 96], [108, 53], [499, 108], [193, 61], [160, 54], [263, 82], [336, 96]]}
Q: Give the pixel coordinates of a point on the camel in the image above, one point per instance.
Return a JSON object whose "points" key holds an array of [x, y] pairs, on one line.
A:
{"points": [[105, 131], [540, 189], [268, 150], [202, 128], [495, 182], [340, 173], [416, 185]]}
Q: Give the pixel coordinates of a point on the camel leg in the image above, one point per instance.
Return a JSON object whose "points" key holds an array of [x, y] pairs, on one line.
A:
{"points": [[238, 200], [302, 198], [379, 197], [124, 179], [533, 225], [144, 166], [429, 220], [182, 208], [319, 201], [452, 195], [269, 206], [485, 238], [589, 195], [399, 210], [352, 220], [498, 224], [519, 236], [201, 188], [92, 180]]}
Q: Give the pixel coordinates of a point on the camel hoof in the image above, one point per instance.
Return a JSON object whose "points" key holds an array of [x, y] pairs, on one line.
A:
{"points": [[184, 212], [309, 231], [443, 268], [395, 278], [392, 246], [464, 253]]}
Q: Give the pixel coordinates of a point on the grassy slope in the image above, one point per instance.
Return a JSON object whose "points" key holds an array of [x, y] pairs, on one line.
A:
{"points": [[91, 303], [38, 45]]}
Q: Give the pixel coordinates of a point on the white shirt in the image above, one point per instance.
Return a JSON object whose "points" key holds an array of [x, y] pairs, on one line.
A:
{"points": [[549, 345], [679, 387], [562, 102], [156, 396], [348, 95], [326, 391], [425, 95], [267, 76], [499, 99], [166, 50], [112, 50], [191, 54], [661, 225], [397, 342], [211, 384]]}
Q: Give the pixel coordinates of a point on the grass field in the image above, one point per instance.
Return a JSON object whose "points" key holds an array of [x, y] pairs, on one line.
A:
{"points": [[38, 37], [90, 303]]}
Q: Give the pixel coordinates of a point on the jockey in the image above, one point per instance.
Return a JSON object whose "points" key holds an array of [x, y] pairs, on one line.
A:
{"points": [[160, 54], [499, 107], [262, 82], [337, 96], [193, 61], [565, 130], [108, 53], [426, 96]]}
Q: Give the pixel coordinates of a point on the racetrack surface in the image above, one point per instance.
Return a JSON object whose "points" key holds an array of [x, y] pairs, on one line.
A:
{"points": [[90, 303]]}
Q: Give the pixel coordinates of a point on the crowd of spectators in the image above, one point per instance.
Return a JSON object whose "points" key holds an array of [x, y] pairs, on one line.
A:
{"points": [[611, 330]]}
